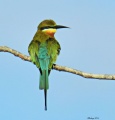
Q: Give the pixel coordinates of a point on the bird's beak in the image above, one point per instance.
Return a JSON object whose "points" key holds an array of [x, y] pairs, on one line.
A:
{"points": [[60, 26]]}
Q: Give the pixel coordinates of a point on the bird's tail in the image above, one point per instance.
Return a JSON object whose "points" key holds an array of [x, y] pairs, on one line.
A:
{"points": [[44, 84]]}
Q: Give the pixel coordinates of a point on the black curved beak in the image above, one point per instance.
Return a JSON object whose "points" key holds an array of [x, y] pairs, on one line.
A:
{"points": [[60, 26]]}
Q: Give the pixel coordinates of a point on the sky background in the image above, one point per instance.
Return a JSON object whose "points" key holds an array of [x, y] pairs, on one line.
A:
{"points": [[88, 46]]}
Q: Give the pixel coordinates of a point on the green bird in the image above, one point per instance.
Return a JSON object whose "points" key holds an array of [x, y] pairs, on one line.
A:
{"points": [[43, 50]]}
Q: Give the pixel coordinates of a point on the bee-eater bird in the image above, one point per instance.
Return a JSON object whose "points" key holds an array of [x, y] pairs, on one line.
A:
{"points": [[43, 50]]}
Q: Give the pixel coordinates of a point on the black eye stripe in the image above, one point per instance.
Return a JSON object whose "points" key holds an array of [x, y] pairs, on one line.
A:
{"points": [[46, 27]]}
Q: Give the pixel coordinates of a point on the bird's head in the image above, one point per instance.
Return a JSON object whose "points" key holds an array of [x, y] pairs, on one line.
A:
{"points": [[49, 27]]}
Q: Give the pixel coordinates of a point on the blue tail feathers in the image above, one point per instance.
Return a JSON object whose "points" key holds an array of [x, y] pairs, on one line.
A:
{"points": [[44, 84]]}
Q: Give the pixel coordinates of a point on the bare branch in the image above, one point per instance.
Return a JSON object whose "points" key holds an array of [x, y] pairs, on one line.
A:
{"points": [[84, 74], [14, 52], [61, 68]]}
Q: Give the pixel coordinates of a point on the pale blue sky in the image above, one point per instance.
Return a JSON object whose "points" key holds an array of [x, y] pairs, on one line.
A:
{"points": [[88, 46]]}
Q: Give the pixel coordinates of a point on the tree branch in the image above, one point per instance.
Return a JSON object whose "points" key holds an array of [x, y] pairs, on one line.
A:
{"points": [[14, 52], [60, 68]]}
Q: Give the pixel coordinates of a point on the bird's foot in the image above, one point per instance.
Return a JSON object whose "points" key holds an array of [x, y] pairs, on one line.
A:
{"points": [[53, 66]]}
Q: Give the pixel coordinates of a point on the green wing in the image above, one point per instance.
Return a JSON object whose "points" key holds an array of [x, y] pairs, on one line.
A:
{"points": [[33, 51], [53, 49]]}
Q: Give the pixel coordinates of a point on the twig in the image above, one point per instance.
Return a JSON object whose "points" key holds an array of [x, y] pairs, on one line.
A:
{"points": [[61, 68], [14, 52]]}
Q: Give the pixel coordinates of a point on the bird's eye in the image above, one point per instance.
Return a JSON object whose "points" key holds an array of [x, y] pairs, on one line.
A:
{"points": [[46, 27]]}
